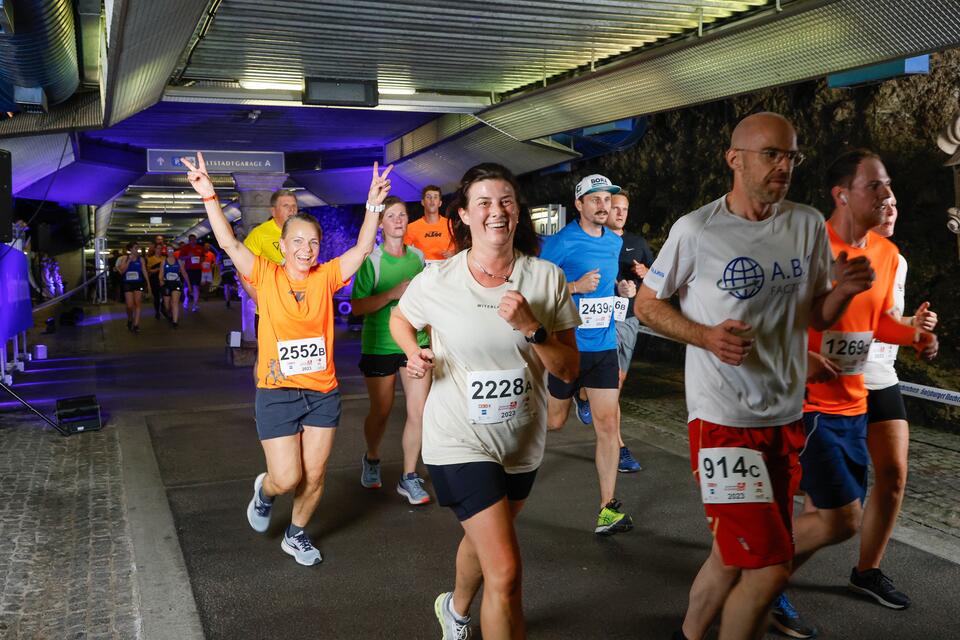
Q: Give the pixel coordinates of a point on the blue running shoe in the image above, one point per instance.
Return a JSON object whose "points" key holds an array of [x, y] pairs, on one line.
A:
{"points": [[787, 621], [258, 511], [370, 473], [583, 409], [411, 488], [301, 548], [628, 464]]}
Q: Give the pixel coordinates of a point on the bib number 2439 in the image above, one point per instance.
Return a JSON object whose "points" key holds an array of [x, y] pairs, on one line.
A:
{"points": [[733, 475], [497, 396], [302, 356]]}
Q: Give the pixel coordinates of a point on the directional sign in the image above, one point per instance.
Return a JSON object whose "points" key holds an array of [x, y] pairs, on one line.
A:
{"points": [[168, 161]]}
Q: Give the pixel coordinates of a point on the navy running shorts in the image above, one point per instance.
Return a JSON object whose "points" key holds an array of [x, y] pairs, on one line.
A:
{"points": [[284, 412], [194, 277], [598, 370], [471, 487], [885, 404], [834, 459]]}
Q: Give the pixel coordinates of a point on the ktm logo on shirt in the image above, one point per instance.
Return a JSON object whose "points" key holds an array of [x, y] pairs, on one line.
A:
{"points": [[433, 234]]}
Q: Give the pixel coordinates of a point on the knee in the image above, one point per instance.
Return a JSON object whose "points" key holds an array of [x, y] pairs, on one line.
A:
{"points": [[606, 424], [285, 482], [893, 478], [846, 524], [314, 477], [504, 579]]}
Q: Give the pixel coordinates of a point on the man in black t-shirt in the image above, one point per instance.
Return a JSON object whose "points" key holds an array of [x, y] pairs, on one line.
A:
{"points": [[635, 258]]}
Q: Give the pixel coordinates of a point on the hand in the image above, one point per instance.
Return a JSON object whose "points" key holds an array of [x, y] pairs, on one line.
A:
{"points": [[627, 288], [926, 345], [398, 290], [722, 341], [853, 276], [588, 282], [640, 269], [379, 185], [198, 177], [516, 311], [924, 318], [420, 363], [820, 368]]}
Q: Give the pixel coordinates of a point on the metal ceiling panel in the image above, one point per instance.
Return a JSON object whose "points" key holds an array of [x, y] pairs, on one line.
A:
{"points": [[350, 186], [467, 46], [445, 163], [809, 39], [82, 183], [36, 157], [82, 111]]}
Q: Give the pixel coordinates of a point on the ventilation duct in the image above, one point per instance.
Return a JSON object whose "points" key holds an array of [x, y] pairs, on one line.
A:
{"points": [[39, 56]]}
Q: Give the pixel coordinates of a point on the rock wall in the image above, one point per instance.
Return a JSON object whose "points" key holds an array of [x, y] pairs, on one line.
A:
{"points": [[679, 166]]}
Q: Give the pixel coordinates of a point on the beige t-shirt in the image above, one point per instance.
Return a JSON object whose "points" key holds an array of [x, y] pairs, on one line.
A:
{"points": [[467, 336]]}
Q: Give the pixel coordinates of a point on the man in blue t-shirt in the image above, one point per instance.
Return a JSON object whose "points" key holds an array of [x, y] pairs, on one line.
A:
{"points": [[589, 254]]}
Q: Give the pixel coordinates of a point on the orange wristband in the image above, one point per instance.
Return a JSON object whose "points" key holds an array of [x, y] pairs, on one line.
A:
{"points": [[209, 198]]}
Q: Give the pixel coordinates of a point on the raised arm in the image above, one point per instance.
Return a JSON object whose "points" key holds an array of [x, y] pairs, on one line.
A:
{"points": [[242, 257], [353, 257]]}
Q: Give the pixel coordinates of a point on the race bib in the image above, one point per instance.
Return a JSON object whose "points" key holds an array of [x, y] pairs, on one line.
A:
{"points": [[194, 259], [302, 356], [848, 350], [620, 306], [595, 312], [733, 475], [883, 353], [227, 262], [206, 265], [172, 277], [496, 396], [132, 276]]}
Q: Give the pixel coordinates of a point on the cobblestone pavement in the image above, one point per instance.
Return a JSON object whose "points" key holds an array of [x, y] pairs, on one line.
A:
{"points": [[653, 403], [66, 562]]}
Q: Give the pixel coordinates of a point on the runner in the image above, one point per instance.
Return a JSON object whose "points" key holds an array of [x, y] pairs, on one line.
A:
{"points": [[206, 267], [192, 255], [381, 280], [499, 318], [298, 402], [588, 252], [635, 258], [154, 260], [431, 233], [132, 268], [174, 277], [228, 277], [835, 456], [752, 271]]}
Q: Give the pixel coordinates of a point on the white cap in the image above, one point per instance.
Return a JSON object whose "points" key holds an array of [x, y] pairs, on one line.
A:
{"points": [[595, 182]]}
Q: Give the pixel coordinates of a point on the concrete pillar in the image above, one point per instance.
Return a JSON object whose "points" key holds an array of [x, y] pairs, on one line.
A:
{"points": [[254, 190]]}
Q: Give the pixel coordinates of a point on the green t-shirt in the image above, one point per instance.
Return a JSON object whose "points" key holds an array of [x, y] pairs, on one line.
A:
{"points": [[381, 272]]}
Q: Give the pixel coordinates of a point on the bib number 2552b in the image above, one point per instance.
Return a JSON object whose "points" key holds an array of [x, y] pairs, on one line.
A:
{"points": [[302, 356], [732, 475]]}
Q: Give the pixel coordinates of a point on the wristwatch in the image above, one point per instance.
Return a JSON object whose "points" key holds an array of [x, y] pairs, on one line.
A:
{"points": [[538, 337]]}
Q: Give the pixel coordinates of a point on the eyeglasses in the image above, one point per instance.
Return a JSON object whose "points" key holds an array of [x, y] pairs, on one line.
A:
{"points": [[775, 156]]}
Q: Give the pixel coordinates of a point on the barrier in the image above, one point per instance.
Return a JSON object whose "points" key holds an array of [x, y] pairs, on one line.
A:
{"points": [[934, 394]]}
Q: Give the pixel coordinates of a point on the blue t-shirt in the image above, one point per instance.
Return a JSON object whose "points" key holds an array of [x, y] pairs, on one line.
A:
{"points": [[576, 253]]}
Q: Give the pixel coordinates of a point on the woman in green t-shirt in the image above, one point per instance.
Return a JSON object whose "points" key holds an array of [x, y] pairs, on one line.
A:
{"points": [[381, 280]]}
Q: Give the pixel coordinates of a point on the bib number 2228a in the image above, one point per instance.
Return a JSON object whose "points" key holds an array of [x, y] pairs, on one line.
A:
{"points": [[497, 396]]}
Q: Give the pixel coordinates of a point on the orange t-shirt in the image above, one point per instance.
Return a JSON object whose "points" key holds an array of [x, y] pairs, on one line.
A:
{"points": [[208, 259], [432, 239], [848, 340], [298, 330]]}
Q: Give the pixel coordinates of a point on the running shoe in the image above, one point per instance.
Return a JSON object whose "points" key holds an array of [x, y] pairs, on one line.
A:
{"points": [[129, 325], [195, 308], [301, 548], [370, 473], [583, 409], [787, 621], [258, 511], [628, 464], [878, 586], [453, 629], [611, 520], [411, 488]]}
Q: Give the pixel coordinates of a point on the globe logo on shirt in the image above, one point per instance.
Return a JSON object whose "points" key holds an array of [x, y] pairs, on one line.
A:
{"points": [[742, 278]]}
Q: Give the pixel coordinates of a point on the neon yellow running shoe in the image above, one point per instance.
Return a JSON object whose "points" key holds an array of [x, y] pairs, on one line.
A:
{"points": [[611, 520]]}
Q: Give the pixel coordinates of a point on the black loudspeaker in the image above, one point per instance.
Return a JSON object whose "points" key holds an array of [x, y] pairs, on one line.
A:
{"points": [[79, 414], [6, 196]]}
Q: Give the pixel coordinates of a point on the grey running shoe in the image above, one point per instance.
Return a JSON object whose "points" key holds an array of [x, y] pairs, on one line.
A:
{"points": [[301, 548], [875, 584], [258, 511], [370, 473], [411, 488], [453, 629]]}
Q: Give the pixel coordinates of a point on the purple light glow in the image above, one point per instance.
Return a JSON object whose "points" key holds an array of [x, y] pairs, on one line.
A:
{"points": [[76, 381], [100, 318]]}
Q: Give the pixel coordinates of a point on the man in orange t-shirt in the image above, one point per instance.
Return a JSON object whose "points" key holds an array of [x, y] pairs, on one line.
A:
{"points": [[835, 457], [431, 233]]}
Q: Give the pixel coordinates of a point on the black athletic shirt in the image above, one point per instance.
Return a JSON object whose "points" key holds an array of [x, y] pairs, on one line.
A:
{"points": [[634, 248]]}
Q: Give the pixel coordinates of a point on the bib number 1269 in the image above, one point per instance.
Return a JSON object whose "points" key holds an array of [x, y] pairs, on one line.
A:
{"points": [[731, 475]]}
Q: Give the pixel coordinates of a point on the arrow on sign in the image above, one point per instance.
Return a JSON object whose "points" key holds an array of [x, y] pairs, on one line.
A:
{"points": [[160, 161]]}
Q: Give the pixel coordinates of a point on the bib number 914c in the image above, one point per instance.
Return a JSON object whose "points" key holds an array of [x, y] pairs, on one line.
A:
{"points": [[732, 475]]}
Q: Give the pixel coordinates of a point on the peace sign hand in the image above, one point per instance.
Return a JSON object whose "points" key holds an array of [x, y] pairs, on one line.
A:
{"points": [[379, 185], [198, 177]]}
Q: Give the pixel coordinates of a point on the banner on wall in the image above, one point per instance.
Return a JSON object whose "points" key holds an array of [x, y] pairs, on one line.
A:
{"points": [[16, 309]]}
